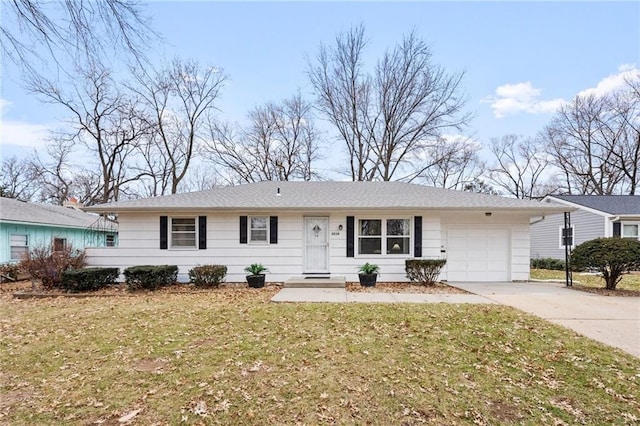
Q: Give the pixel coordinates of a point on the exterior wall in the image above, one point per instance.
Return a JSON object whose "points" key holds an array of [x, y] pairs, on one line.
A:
{"points": [[545, 235], [37, 236], [519, 237], [139, 244]]}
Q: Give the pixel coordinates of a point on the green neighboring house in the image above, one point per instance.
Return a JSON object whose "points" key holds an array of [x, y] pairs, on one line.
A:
{"points": [[25, 225]]}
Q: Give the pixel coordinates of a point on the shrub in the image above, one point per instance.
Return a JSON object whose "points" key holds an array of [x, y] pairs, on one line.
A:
{"points": [[9, 272], [424, 271], [256, 269], [150, 277], [208, 275], [369, 268], [88, 279], [547, 263], [44, 264], [612, 257]]}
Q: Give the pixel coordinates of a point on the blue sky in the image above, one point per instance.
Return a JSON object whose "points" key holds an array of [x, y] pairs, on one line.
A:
{"points": [[521, 59]]}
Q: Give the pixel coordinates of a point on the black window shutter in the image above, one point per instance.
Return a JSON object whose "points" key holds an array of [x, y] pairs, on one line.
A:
{"points": [[273, 230], [202, 232], [243, 230], [350, 235], [164, 225], [617, 229], [417, 236]]}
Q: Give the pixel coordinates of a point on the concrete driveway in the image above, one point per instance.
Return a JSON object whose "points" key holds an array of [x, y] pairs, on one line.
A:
{"points": [[614, 321]]}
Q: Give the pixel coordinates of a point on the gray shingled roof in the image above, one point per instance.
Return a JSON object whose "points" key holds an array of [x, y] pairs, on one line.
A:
{"points": [[327, 196], [612, 204], [45, 214]]}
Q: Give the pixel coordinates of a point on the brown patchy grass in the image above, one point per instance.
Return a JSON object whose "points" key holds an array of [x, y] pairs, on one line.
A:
{"points": [[228, 356], [629, 286]]}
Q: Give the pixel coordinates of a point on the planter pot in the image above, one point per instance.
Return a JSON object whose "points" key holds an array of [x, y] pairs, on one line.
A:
{"points": [[256, 281], [368, 280]]}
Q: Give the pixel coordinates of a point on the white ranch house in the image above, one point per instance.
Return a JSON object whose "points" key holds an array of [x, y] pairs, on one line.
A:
{"points": [[327, 229]]}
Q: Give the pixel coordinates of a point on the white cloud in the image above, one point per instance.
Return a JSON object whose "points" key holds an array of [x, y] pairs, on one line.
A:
{"points": [[21, 133], [511, 99], [613, 82]]}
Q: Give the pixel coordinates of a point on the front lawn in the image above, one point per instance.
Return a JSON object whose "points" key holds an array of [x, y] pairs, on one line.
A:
{"points": [[629, 281], [229, 356]]}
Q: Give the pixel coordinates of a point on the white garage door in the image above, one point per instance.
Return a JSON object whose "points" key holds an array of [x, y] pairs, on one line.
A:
{"points": [[478, 254]]}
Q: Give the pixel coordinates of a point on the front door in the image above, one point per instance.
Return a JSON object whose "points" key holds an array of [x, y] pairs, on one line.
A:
{"points": [[316, 245]]}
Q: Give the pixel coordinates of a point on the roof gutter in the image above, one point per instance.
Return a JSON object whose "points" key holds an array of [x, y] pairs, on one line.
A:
{"points": [[537, 220]]}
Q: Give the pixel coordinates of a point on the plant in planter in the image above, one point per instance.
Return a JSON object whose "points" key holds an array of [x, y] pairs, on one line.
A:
{"points": [[256, 271], [368, 274]]}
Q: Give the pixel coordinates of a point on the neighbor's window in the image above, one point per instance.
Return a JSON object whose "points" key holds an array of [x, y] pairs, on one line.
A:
{"points": [[19, 245], [258, 229], [59, 244], [183, 232], [630, 231], [566, 237], [111, 240], [384, 236]]}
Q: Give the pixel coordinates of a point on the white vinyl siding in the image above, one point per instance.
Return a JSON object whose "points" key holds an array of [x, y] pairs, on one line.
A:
{"points": [[183, 232], [19, 246], [138, 243]]}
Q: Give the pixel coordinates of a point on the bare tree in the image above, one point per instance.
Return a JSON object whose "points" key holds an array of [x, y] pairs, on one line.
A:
{"points": [[52, 172], [518, 166], [388, 119], [454, 163], [104, 121], [281, 143], [179, 101], [86, 30], [17, 179], [594, 142]]}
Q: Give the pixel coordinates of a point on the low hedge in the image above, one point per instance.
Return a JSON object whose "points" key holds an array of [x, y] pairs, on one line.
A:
{"points": [[207, 275], [88, 279], [424, 271], [150, 277], [547, 263]]}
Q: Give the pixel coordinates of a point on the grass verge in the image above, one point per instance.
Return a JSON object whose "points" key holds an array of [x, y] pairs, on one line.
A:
{"points": [[629, 281], [228, 356]]}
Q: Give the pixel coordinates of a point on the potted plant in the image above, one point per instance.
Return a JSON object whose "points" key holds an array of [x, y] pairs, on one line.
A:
{"points": [[368, 274], [256, 275]]}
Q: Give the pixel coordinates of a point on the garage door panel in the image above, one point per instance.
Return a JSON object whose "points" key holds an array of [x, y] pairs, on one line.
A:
{"points": [[478, 254]]}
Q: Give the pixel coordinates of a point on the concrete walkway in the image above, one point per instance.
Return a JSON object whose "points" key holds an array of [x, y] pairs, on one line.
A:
{"points": [[611, 320], [614, 321]]}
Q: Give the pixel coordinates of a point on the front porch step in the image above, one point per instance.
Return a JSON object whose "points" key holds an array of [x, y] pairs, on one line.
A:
{"points": [[315, 282]]}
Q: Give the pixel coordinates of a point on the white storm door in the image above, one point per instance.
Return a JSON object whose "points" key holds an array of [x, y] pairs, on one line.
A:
{"points": [[316, 244]]}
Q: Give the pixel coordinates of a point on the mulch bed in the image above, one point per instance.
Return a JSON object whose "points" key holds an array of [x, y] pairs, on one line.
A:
{"points": [[402, 287], [23, 289]]}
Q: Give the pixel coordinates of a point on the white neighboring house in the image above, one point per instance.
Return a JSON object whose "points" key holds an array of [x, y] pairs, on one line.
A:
{"points": [[326, 228], [596, 216]]}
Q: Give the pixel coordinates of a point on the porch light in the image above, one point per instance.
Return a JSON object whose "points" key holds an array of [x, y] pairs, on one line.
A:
{"points": [[339, 227]]}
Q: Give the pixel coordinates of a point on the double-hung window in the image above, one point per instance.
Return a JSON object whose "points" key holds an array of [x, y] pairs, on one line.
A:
{"points": [[259, 229], [566, 237], [183, 232], [398, 236], [19, 245], [384, 236], [630, 230]]}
